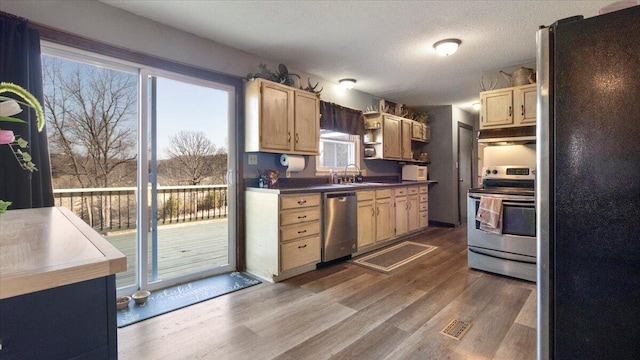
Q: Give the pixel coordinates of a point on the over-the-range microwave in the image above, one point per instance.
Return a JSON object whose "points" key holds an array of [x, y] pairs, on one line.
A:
{"points": [[414, 173]]}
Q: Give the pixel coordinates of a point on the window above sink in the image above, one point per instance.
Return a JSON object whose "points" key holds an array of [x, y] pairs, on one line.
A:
{"points": [[337, 150]]}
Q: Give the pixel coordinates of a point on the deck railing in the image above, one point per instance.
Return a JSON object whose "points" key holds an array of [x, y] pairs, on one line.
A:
{"points": [[111, 209]]}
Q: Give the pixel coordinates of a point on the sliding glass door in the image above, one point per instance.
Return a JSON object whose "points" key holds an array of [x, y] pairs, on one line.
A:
{"points": [[146, 158], [186, 183]]}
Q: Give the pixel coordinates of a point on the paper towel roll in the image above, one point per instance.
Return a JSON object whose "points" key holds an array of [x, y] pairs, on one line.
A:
{"points": [[292, 162]]}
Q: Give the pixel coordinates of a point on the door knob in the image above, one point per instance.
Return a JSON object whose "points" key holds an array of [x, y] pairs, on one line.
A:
{"points": [[461, 180]]}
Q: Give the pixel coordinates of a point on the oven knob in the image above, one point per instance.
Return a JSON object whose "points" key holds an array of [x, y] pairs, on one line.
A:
{"points": [[488, 171], [494, 172]]}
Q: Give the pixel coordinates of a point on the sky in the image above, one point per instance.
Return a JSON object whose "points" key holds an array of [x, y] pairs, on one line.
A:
{"points": [[181, 106], [188, 107]]}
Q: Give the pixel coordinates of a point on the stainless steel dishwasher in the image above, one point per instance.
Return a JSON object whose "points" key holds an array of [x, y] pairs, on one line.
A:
{"points": [[340, 229]]}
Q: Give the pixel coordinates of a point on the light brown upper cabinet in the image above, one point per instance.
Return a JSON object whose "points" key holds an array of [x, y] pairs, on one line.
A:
{"points": [[281, 119], [391, 137], [407, 154], [420, 132], [509, 107], [525, 98]]}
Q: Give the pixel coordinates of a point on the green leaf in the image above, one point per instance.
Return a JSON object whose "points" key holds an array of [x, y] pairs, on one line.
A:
{"points": [[4, 205], [22, 143], [12, 119]]}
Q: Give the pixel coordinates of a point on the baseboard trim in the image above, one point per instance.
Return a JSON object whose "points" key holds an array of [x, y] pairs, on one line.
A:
{"points": [[442, 224]]}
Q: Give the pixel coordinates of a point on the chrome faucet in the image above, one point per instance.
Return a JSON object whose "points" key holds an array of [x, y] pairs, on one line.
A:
{"points": [[353, 178]]}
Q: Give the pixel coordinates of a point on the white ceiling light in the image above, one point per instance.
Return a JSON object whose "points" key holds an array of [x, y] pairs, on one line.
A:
{"points": [[476, 106], [447, 47], [348, 83]]}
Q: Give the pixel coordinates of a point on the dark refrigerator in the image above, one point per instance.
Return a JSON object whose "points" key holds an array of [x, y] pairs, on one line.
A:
{"points": [[588, 187]]}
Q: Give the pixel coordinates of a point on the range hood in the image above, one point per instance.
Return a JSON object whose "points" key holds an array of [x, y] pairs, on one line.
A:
{"points": [[508, 136]]}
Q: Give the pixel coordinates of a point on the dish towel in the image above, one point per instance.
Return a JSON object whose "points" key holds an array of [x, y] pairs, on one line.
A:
{"points": [[490, 214]]}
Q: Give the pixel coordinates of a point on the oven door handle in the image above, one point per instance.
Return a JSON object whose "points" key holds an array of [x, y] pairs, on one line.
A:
{"points": [[510, 200], [501, 258], [520, 203]]}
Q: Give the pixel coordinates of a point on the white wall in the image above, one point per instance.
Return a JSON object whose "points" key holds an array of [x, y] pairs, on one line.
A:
{"points": [[98, 21], [101, 22]]}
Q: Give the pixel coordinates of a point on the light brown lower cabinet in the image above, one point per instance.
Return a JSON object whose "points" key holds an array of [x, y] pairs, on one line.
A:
{"points": [[282, 233], [386, 214], [424, 205]]}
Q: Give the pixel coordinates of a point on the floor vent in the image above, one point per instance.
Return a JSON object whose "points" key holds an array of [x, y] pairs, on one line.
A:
{"points": [[456, 329]]}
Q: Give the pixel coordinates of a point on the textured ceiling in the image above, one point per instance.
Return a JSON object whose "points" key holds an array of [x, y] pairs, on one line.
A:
{"points": [[385, 45]]}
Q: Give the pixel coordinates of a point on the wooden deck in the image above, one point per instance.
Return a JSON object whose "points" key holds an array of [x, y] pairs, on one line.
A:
{"points": [[182, 248]]}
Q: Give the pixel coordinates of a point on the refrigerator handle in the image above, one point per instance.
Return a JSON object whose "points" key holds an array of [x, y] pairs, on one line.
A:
{"points": [[544, 109]]}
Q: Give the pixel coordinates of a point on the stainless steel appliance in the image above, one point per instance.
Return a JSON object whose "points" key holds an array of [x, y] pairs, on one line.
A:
{"points": [[513, 252], [588, 187], [340, 230]]}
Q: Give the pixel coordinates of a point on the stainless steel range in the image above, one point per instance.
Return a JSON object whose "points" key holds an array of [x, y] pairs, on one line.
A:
{"points": [[513, 251]]}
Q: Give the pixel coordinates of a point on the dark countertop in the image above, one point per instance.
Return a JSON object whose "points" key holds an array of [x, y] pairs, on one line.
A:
{"points": [[338, 187]]}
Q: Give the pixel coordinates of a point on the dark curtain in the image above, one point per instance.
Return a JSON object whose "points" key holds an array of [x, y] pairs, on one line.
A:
{"points": [[20, 64], [340, 118]]}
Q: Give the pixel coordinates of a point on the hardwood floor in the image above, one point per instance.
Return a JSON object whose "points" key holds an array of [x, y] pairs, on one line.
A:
{"points": [[345, 311]]}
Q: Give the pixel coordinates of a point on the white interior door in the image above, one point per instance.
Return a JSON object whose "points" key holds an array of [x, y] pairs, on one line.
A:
{"points": [[465, 168]]}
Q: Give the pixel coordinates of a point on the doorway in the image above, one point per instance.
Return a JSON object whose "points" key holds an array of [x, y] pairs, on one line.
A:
{"points": [[465, 168], [186, 157]]}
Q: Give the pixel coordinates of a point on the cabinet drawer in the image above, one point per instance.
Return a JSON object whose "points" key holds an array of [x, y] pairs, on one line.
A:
{"points": [[424, 197], [401, 191], [299, 201], [298, 253], [384, 193], [424, 219], [299, 216], [423, 189], [412, 190], [424, 206], [365, 195], [292, 232]]}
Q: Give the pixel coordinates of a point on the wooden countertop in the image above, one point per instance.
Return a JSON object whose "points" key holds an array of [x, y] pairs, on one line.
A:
{"points": [[49, 247]]}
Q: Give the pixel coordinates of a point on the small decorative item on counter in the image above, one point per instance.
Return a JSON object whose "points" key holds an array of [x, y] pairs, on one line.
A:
{"points": [[273, 176], [268, 178]]}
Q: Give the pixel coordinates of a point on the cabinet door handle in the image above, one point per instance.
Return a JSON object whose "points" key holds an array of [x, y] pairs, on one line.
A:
{"points": [[302, 231], [289, 137], [373, 212], [509, 110], [301, 202], [302, 246], [302, 217], [522, 110], [297, 138], [377, 210]]}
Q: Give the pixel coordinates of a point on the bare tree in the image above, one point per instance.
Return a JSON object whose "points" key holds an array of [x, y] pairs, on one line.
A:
{"points": [[193, 159], [91, 114]]}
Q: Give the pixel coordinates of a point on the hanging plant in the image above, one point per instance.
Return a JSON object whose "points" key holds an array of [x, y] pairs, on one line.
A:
{"points": [[18, 145]]}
